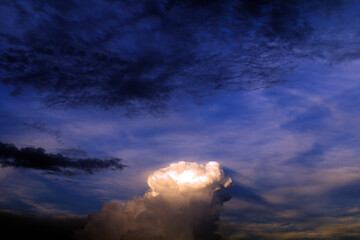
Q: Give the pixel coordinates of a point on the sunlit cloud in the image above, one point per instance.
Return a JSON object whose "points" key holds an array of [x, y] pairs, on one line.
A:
{"points": [[183, 202]]}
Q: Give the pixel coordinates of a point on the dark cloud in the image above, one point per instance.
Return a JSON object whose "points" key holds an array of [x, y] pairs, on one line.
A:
{"points": [[142, 55], [314, 220], [37, 158], [345, 195], [310, 157], [73, 152], [322, 228], [246, 193], [19, 225], [41, 127]]}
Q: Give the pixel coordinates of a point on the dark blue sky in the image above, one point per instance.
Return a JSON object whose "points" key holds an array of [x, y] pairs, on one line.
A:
{"points": [[269, 89]]}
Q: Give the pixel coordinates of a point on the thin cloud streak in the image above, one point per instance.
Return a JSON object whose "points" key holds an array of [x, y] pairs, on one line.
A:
{"points": [[37, 158]]}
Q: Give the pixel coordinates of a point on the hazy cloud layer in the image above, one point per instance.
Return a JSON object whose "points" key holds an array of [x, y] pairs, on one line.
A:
{"points": [[37, 158]]}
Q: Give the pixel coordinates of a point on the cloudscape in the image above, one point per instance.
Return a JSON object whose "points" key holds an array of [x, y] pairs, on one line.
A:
{"points": [[180, 119]]}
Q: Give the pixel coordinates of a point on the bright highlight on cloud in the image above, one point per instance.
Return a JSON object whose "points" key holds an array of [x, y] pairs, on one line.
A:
{"points": [[183, 203], [187, 176]]}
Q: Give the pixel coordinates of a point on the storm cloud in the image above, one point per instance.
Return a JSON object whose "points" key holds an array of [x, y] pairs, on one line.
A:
{"points": [[183, 203], [37, 158], [144, 54]]}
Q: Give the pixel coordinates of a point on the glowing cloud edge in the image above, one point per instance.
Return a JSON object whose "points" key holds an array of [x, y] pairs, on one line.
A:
{"points": [[187, 176]]}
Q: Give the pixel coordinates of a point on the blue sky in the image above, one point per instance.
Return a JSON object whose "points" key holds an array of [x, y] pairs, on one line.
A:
{"points": [[294, 146], [281, 119]]}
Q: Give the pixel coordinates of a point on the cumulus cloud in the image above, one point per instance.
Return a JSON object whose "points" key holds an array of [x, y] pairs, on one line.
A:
{"points": [[37, 158], [183, 203]]}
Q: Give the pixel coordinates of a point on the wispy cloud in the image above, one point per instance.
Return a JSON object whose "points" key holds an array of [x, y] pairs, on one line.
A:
{"points": [[41, 127]]}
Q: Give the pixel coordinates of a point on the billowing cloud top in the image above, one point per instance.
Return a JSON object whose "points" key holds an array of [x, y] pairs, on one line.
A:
{"points": [[183, 203], [187, 176]]}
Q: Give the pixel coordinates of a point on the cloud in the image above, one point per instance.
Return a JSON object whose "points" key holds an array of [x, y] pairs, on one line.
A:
{"points": [[246, 194], [142, 56], [19, 225], [312, 119], [73, 152], [310, 157], [41, 127], [185, 199], [37, 158], [322, 228], [183, 202]]}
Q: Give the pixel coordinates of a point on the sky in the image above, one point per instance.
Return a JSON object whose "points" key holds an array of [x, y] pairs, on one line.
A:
{"points": [[95, 96]]}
